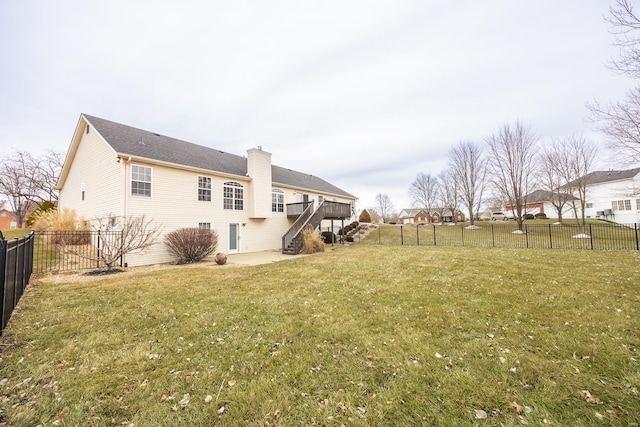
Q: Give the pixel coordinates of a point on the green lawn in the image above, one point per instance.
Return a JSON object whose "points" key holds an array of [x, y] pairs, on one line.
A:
{"points": [[18, 232], [539, 234], [360, 335]]}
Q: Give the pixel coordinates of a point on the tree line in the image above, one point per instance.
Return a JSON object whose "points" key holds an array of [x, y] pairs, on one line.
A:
{"points": [[510, 164]]}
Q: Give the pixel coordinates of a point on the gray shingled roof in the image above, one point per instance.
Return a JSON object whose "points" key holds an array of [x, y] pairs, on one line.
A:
{"points": [[598, 177], [605, 176], [130, 141], [545, 196]]}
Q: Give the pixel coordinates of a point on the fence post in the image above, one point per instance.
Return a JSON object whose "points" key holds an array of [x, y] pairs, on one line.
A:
{"points": [[434, 235], [401, 236], [550, 238], [493, 237], [526, 235], [417, 234], [98, 257], [15, 274], [591, 236], [3, 272], [635, 226], [462, 235]]}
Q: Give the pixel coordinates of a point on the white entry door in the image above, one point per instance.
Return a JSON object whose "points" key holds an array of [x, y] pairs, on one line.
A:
{"points": [[234, 237]]}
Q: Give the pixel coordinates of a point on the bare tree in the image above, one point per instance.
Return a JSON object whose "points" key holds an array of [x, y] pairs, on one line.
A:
{"points": [[468, 169], [118, 236], [552, 179], [47, 172], [625, 27], [449, 194], [27, 181], [375, 216], [511, 160], [576, 157], [384, 206], [620, 121], [17, 184], [424, 192]]}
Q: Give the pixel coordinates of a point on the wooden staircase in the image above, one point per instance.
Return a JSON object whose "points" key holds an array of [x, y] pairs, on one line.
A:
{"points": [[292, 241]]}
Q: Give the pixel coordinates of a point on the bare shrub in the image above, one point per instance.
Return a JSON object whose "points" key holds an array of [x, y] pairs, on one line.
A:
{"points": [[312, 241], [117, 236], [191, 244]]}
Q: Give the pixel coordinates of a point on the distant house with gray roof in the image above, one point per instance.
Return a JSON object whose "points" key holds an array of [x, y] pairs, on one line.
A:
{"points": [[613, 195], [119, 170]]}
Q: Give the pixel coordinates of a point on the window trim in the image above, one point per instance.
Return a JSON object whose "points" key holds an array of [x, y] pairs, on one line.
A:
{"points": [[277, 200], [150, 182], [237, 196], [202, 190]]}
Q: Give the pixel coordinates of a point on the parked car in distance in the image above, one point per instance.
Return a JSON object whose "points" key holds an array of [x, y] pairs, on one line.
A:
{"points": [[499, 216]]}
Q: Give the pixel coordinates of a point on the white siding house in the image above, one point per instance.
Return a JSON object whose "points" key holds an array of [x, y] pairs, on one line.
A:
{"points": [[614, 195], [114, 169]]}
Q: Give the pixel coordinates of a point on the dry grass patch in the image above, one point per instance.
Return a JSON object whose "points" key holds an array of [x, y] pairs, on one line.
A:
{"points": [[361, 335]]}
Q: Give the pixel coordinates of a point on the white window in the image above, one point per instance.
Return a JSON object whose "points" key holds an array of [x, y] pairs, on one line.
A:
{"points": [[233, 196], [638, 204], [589, 205], [140, 181], [204, 225], [204, 188], [277, 200], [621, 205]]}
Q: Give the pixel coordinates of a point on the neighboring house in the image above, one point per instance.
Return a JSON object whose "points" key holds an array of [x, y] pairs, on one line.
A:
{"points": [[413, 216], [614, 196], [114, 169], [421, 216], [7, 220], [540, 201]]}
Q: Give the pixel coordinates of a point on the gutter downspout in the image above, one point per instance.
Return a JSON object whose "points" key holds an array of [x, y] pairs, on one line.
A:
{"points": [[125, 198]]}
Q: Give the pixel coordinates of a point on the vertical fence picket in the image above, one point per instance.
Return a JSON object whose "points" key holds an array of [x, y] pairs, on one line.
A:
{"points": [[16, 266], [3, 271]]}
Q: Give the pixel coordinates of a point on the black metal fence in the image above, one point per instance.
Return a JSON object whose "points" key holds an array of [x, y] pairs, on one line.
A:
{"points": [[16, 265], [614, 237], [56, 251]]}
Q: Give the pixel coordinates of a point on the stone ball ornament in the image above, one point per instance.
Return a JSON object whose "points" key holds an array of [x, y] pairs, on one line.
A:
{"points": [[221, 258]]}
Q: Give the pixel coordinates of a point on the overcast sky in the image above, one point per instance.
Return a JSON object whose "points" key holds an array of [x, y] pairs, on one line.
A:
{"points": [[364, 94]]}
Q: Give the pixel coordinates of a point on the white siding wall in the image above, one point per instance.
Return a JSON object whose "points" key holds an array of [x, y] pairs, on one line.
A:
{"points": [[174, 204], [96, 170], [602, 195]]}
